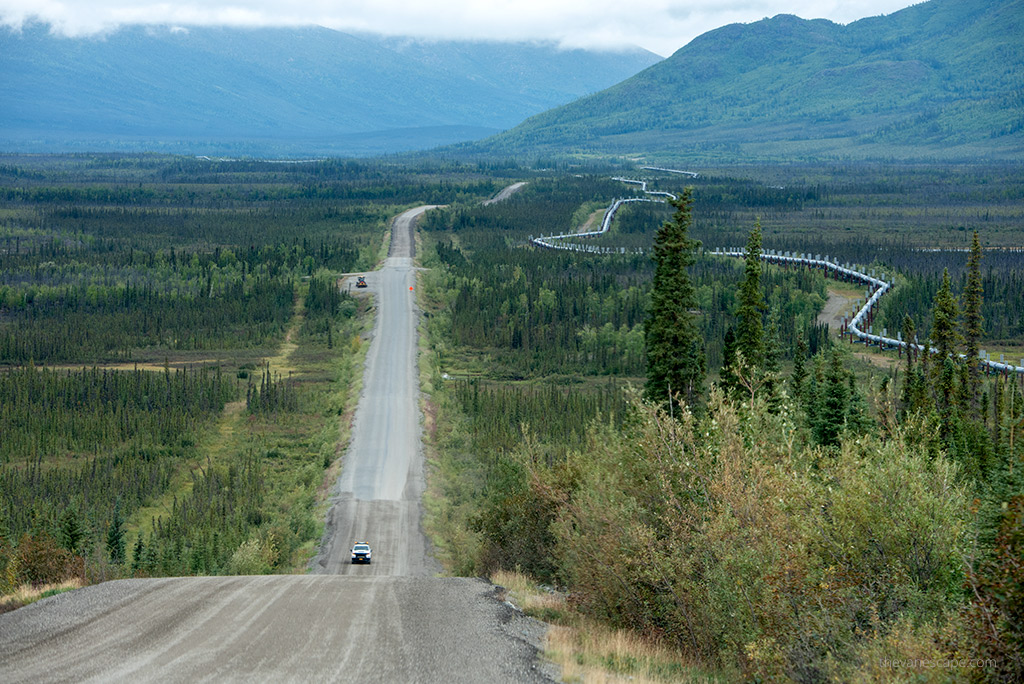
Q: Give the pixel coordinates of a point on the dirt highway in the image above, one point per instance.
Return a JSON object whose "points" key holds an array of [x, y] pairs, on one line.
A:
{"points": [[391, 621], [837, 306], [377, 498], [505, 193]]}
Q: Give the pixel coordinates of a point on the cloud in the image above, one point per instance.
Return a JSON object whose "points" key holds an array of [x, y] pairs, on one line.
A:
{"points": [[661, 26]]}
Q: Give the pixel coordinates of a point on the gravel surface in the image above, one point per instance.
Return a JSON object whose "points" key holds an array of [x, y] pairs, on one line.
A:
{"points": [[504, 194], [837, 306], [273, 628]]}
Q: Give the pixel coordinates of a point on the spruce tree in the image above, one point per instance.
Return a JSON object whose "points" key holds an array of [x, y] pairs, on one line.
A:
{"points": [[946, 403], [71, 531], [858, 414], [814, 394], [835, 401], [972, 323], [945, 313], [799, 376], [749, 328], [675, 348], [945, 338], [137, 554], [727, 377], [115, 537]]}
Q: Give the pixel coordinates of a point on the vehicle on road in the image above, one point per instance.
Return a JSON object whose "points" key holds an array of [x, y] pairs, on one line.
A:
{"points": [[361, 553], [361, 281]]}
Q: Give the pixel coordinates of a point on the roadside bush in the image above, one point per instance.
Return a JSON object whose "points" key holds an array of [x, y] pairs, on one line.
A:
{"points": [[899, 520], [252, 557], [755, 554], [9, 570], [907, 653], [515, 523], [40, 560]]}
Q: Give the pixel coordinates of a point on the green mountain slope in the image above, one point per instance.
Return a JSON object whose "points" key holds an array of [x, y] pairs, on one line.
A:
{"points": [[943, 79]]}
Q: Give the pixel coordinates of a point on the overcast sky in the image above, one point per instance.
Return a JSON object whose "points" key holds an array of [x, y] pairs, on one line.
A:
{"points": [[662, 26]]}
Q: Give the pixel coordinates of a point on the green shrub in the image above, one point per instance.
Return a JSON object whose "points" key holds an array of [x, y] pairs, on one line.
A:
{"points": [[993, 625], [756, 554], [252, 557]]}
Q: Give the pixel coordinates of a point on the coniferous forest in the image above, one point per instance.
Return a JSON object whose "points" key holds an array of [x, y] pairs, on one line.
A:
{"points": [[176, 357]]}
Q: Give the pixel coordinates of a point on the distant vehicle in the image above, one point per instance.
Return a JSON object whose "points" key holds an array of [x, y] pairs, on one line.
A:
{"points": [[361, 553], [361, 281]]}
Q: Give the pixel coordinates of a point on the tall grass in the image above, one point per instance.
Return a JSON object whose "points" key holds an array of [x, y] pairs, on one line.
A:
{"points": [[590, 652]]}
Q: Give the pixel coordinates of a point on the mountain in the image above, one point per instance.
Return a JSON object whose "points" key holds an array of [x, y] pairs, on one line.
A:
{"points": [[939, 80], [280, 90]]}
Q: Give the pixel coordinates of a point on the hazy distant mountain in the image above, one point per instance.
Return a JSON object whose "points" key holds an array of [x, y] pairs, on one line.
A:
{"points": [[289, 90], [942, 79]]}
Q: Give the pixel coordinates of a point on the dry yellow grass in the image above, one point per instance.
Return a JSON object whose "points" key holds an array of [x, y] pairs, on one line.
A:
{"points": [[588, 652], [26, 593], [591, 653], [528, 597]]}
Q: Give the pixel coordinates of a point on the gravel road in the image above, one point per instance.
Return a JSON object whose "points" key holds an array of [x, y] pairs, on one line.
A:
{"points": [[377, 498], [837, 306], [281, 628], [391, 621], [505, 193]]}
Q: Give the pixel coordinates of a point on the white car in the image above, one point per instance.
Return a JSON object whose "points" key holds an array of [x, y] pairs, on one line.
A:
{"points": [[361, 553]]}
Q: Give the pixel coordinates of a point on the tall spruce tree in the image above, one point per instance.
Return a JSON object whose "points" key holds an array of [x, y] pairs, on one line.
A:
{"points": [[972, 324], [750, 304], [115, 537], [676, 358], [945, 337], [945, 313]]}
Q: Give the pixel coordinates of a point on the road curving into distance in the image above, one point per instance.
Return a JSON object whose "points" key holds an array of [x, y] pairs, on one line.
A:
{"points": [[390, 621]]}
